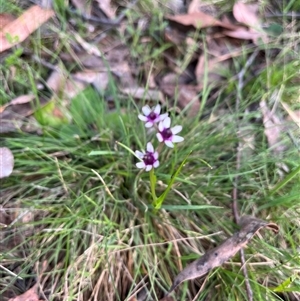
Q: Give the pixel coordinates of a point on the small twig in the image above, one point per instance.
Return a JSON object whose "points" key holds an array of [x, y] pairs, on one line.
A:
{"points": [[235, 208], [10, 272], [276, 15], [44, 62], [245, 272], [201, 289]]}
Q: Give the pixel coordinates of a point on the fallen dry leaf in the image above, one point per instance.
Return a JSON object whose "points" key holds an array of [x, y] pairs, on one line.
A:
{"points": [[193, 6], [294, 115], [88, 47], [200, 5], [105, 6], [167, 298], [246, 13], [142, 93], [30, 295], [73, 87], [99, 80], [273, 128], [216, 59], [6, 162], [211, 68], [217, 256], [199, 20], [5, 19], [83, 6], [18, 30], [118, 59], [91, 61], [13, 115], [174, 36], [18, 101], [243, 34], [65, 87], [55, 80], [186, 95]]}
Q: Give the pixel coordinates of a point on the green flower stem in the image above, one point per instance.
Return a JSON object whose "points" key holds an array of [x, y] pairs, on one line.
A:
{"points": [[152, 185], [159, 201]]}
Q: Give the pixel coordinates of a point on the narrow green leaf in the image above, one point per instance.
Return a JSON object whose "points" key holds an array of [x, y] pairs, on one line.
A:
{"points": [[157, 204], [288, 178], [127, 148], [285, 286], [102, 153], [153, 184]]}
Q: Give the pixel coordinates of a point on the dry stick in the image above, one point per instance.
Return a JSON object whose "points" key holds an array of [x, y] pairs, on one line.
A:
{"points": [[42, 61], [235, 209], [276, 15]]}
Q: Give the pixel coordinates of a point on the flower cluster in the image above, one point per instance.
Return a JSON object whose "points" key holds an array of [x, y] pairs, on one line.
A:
{"points": [[165, 134]]}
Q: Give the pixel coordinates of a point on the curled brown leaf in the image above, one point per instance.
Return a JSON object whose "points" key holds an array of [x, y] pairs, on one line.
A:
{"points": [[18, 30], [274, 128], [199, 20], [30, 295], [246, 13], [217, 256], [5, 19], [18, 101]]}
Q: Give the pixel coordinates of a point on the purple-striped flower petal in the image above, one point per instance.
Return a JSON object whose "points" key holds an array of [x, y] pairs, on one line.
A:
{"points": [[149, 159], [167, 134], [152, 115]]}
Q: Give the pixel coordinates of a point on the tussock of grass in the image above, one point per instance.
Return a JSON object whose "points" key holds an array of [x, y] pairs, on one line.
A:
{"points": [[94, 245]]}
